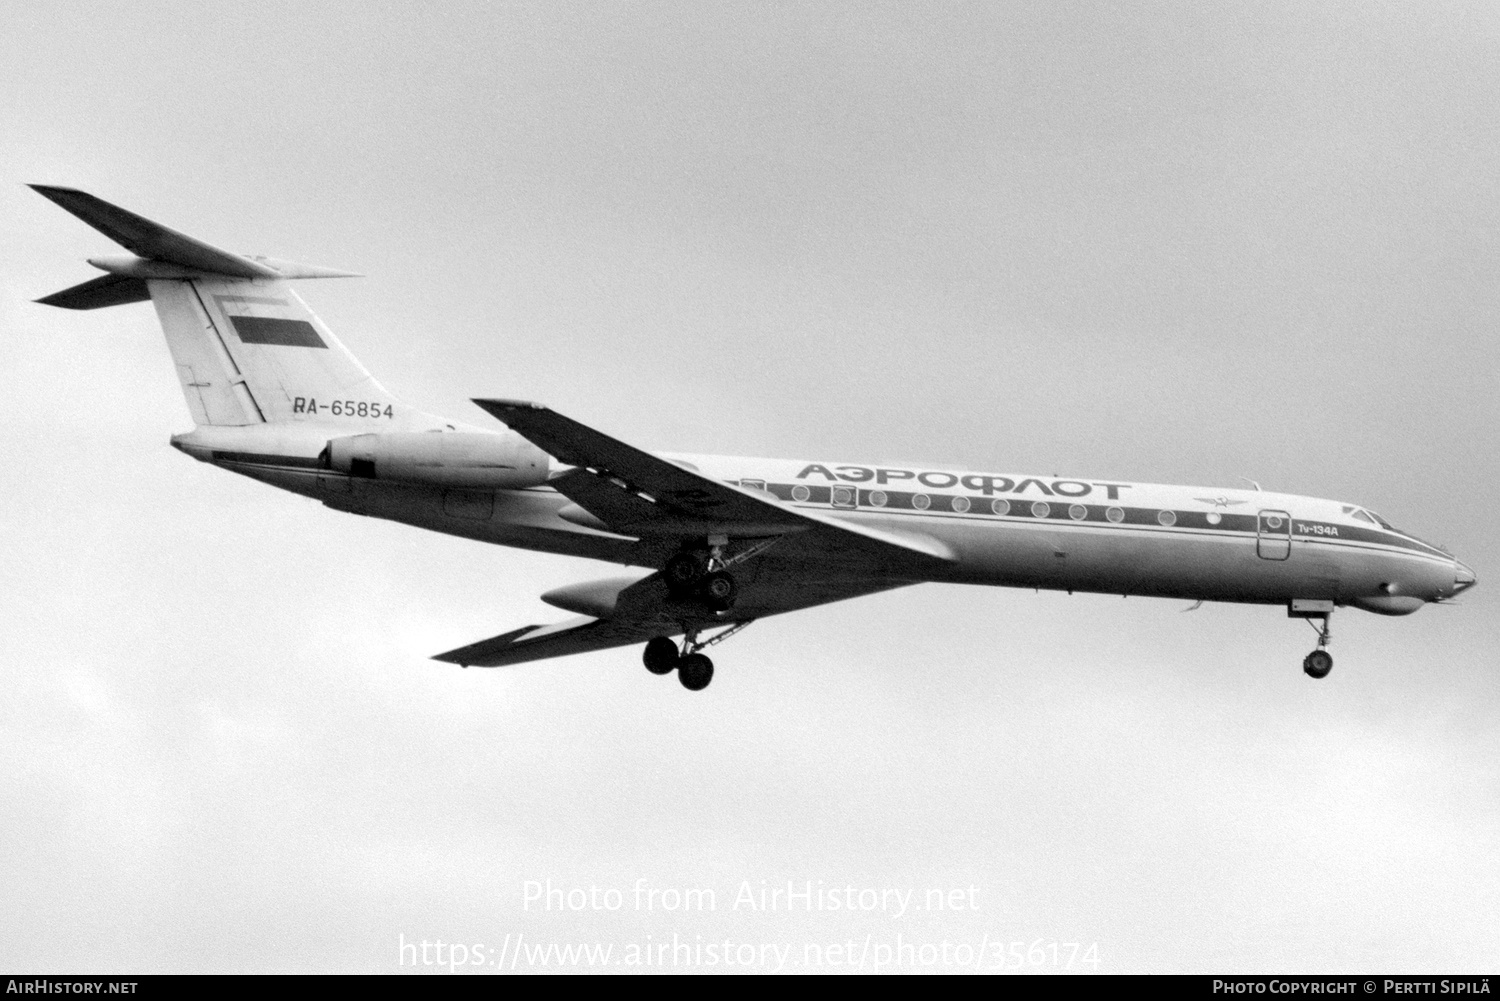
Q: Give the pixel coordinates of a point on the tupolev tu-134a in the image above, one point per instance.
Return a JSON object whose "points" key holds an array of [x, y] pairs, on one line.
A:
{"points": [[277, 397]]}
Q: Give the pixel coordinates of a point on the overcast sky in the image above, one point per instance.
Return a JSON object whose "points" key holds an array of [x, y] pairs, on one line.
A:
{"points": [[1165, 242]]}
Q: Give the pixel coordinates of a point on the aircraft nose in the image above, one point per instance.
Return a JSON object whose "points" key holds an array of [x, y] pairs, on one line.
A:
{"points": [[1463, 577]]}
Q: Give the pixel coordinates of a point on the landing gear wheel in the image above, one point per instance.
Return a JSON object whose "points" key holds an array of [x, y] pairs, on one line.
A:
{"points": [[1317, 664], [695, 671], [660, 656], [682, 571], [718, 590]]}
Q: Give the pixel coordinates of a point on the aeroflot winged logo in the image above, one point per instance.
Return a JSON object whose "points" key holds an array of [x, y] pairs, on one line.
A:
{"points": [[985, 483], [1218, 501]]}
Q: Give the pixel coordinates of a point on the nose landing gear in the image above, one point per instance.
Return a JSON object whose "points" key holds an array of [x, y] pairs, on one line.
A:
{"points": [[1317, 612], [1318, 663]]}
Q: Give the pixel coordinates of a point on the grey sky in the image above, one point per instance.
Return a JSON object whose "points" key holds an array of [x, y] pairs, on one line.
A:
{"points": [[1154, 242]]}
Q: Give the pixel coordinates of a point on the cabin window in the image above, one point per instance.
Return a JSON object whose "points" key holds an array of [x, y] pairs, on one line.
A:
{"points": [[878, 498], [1000, 505], [1213, 517], [960, 504], [1078, 512], [1167, 518], [800, 493], [1115, 514], [921, 502], [1041, 509]]}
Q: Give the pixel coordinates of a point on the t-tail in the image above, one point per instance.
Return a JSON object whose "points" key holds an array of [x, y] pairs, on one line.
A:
{"points": [[247, 349], [273, 392]]}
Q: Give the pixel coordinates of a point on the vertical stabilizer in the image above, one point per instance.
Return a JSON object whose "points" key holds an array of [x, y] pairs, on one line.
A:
{"points": [[251, 352], [246, 347]]}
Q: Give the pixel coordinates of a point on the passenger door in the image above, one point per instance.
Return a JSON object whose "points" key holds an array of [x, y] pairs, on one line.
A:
{"points": [[1273, 535]]}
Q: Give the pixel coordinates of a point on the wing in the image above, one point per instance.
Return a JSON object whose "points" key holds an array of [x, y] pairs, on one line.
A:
{"points": [[637, 493], [646, 609], [782, 558], [579, 635]]}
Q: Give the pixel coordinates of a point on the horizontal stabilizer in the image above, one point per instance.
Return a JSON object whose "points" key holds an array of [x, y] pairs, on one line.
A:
{"points": [[106, 290], [152, 241]]}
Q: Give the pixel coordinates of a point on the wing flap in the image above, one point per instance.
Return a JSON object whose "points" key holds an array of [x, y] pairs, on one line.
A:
{"points": [[626, 511]]}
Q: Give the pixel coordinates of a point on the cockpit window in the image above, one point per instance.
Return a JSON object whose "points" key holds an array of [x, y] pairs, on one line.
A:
{"points": [[1369, 516]]}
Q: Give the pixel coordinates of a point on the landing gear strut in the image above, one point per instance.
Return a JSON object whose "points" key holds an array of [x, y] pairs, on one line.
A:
{"points": [[1318, 663]]}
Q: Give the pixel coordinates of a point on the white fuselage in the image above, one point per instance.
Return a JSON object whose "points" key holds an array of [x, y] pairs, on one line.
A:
{"points": [[1012, 530]]}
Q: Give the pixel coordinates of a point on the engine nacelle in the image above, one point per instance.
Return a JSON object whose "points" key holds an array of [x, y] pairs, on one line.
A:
{"points": [[592, 597], [441, 458]]}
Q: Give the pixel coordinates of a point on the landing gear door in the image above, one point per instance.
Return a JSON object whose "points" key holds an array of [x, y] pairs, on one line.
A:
{"points": [[844, 495], [1273, 535]]}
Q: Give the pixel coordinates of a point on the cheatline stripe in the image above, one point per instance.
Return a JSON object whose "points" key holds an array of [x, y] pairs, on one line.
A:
{"points": [[898, 503], [1187, 521], [1242, 538]]}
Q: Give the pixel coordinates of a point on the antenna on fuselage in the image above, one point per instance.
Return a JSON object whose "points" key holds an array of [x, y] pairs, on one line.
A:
{"points": [[1251, 482]]}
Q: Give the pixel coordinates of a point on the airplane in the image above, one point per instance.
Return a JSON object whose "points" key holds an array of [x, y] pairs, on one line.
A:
{"points": [[719, 542]]}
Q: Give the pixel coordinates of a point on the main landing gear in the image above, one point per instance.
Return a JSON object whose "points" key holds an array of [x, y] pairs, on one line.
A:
{"points": [[1318, 663], [661, 655], [693, 668], [695, 671], [702, 575]]}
